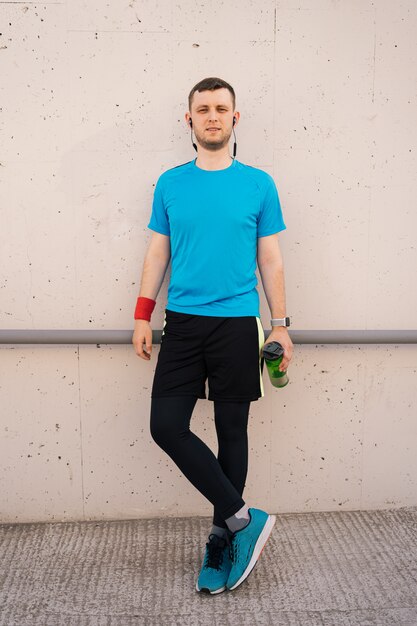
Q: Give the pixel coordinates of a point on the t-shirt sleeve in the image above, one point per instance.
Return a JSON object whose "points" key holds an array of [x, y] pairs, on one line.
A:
{"points": [[159, 218], [270, 218]]}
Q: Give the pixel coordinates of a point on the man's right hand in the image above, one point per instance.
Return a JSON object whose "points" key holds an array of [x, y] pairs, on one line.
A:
{"points": [[142, 337]]}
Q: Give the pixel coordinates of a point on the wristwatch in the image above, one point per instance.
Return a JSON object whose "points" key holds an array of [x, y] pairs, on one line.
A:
{"points": [[284, 321]]}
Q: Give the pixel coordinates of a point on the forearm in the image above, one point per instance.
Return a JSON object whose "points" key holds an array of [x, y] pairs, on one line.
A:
{"points": [[272, 275], [154, 268]]}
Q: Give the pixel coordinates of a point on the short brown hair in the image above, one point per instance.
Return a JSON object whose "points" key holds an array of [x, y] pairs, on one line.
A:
{"points": [[211, 84]]}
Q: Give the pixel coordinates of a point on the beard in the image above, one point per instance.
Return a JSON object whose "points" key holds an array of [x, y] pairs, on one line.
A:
{"points": [[213, 143]]}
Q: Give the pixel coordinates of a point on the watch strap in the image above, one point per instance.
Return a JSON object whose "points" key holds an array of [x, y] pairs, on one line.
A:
{"points": [[284, 321]]}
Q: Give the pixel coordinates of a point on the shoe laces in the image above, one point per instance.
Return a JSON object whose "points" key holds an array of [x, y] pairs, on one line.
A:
{"points": [[233, 543], [233, 552], [215, 548]]}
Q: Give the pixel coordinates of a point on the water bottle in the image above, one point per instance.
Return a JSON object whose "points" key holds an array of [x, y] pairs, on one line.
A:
{"points": [[273, 353]]}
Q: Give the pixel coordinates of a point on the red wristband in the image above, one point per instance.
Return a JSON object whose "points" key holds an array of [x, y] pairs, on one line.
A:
{"points": [[144, 308]]}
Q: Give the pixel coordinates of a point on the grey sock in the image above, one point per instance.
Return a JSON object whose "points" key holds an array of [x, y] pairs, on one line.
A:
{"points": [[219, 531], [239, 520]]}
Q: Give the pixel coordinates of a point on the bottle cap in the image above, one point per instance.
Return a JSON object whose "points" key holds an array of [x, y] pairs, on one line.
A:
{"points": [[272, 351]]}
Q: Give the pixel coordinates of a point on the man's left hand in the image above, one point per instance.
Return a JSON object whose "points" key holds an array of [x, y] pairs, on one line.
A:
{"points": [[280, 334]]}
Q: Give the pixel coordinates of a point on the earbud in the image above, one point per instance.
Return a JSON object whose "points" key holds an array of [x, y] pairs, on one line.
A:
{"points": [[194, 145], [235, 144]]}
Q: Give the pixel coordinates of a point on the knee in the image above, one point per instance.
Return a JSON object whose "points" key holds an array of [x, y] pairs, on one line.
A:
{"points": [[170, 419], [159, 431], [163, 430], [167, 435], [231, 420]]}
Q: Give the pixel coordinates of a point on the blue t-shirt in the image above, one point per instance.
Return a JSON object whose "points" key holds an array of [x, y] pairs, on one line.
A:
{"points": [[213, 219]]}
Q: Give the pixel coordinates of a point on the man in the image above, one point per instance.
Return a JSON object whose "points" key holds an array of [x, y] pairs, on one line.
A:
{"points": [[214, 217]]}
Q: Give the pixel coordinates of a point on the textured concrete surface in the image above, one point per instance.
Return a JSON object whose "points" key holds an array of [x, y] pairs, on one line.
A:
{"points": [[318, 569], [340, 436]]}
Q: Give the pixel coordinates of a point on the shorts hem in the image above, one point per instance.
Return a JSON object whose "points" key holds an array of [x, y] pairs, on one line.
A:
{"points": [[234, 398], [174, 393]]}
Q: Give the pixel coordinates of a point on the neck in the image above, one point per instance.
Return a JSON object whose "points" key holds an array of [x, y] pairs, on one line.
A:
{"points": [[213, 160]]}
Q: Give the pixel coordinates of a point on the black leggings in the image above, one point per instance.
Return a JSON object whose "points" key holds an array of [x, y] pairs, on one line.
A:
{"points": [[221, 480]]}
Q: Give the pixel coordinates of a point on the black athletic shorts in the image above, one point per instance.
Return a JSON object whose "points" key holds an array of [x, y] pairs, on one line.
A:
{"points": [[224, 350]]}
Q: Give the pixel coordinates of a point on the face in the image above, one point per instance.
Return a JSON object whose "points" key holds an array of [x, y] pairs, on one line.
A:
{"points": [[212, 109]]}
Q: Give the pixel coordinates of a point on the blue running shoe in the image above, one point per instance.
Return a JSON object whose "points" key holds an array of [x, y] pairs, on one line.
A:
{"points": [[216, 565], [247, 544]]}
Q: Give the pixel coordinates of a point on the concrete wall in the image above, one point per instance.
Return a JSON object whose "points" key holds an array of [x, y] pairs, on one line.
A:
{"points": [[93, 101]]}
